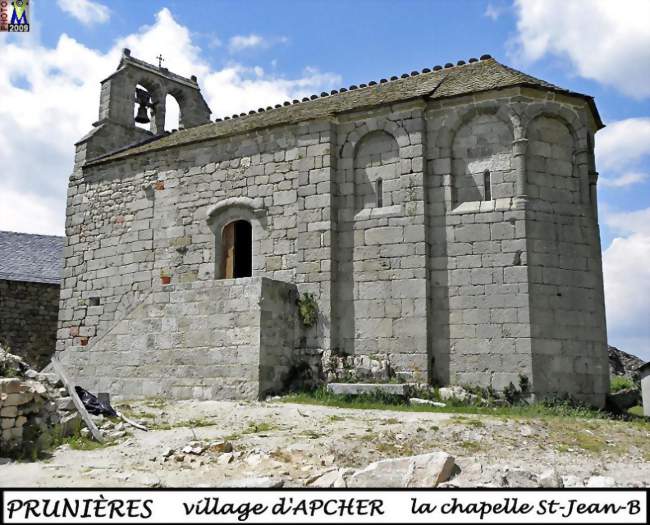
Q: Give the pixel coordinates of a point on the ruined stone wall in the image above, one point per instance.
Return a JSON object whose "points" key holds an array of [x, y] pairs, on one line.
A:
{"points": [[32, 406], [223, 339], [28, 319]]}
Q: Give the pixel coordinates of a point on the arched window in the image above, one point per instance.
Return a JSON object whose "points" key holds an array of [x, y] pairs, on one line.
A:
{"points": [[379, 188], [237, 253], [487, 185], [172, 113]]}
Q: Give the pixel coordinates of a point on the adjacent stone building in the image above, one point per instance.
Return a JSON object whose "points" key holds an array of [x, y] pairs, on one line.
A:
{"points": [[445, 222], [30, 273]]}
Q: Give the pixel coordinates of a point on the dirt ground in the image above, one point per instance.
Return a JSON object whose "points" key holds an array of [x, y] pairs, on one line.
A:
{"points": [[294, 443]]}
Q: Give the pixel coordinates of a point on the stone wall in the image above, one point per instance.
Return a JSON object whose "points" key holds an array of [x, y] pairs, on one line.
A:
{"points": [[569, 338], [28, 320], [223, 339], [516, 280], [381, 292], [478, 279], [128, 223]]}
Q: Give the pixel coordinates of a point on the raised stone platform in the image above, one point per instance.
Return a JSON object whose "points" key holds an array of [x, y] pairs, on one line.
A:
{"points": [[225, 339]]}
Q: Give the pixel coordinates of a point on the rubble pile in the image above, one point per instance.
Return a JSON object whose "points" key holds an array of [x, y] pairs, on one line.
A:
{"points": [[197, 453], [355, 368], [32, 405]]}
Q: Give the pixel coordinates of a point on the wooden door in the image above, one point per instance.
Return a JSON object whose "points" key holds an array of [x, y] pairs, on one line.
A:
{"points": [[228, 255]]}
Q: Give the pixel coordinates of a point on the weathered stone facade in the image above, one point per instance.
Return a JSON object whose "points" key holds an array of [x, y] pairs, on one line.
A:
{"points": [[224, 339], [445, 222], [28, 319]]}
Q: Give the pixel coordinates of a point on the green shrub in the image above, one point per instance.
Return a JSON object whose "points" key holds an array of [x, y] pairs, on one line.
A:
{"points": [[308, 309], [619, 383]]}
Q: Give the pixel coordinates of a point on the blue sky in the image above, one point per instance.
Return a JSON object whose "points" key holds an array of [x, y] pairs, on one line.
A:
{"points": [[254, 53]]}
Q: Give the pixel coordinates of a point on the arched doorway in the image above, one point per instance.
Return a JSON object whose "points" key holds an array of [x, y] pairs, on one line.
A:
{"points": [[237, 255]]}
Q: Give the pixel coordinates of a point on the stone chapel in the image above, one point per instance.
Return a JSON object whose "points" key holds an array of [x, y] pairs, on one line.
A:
{"points": [[444, 221]]}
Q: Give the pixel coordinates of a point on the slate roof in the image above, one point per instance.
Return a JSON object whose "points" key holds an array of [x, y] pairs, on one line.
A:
{"points": [[31, 258], [441, 82]]}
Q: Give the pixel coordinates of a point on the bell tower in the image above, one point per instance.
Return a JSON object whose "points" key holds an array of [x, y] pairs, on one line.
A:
{"points": [[135, 94]]}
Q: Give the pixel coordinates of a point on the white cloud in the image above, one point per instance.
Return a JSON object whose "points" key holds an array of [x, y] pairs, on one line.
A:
{"points": [[214, 42], [244, 42], [50, 97], [626, 179], [236, 88], [623, 143], [622, 148], [86, 11], [239, 42], [492, 11], [606, 41], [627, 281], [629, 222], [37, 213]]}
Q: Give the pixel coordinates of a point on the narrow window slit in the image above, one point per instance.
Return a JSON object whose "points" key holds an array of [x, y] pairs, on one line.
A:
{"points": [[380, 192], [487, 185]]}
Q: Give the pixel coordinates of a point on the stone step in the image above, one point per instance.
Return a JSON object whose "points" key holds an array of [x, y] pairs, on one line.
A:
{"points": [[355, 389]]}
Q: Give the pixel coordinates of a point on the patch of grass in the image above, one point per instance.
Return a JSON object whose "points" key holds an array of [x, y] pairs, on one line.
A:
{"points": [[257, 428], [193, 423], [8, 371], [382, 401], [619, 383], [333, 418], [390, 421], [163, 426], [200, 422], [636, 411], [393, 449], [155, 402], [144, 415], [470, 446], [312, 434], [83, 443], [579, 439], [40, 445], [471, 422]]}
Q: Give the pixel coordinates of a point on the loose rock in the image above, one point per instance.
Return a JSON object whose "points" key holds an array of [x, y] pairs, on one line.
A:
{"points": [[418, 401], [425, 470]]}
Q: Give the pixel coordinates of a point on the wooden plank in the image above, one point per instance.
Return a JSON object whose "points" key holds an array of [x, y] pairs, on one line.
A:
{"points": [[58, 368], [130, 422], [228, 240]]}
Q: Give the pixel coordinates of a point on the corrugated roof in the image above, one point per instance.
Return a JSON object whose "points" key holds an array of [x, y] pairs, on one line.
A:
{"points": [[31, 258], [443, 82]]}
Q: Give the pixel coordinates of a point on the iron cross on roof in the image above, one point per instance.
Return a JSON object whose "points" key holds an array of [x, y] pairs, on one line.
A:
{"points": [[160, 60]]}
